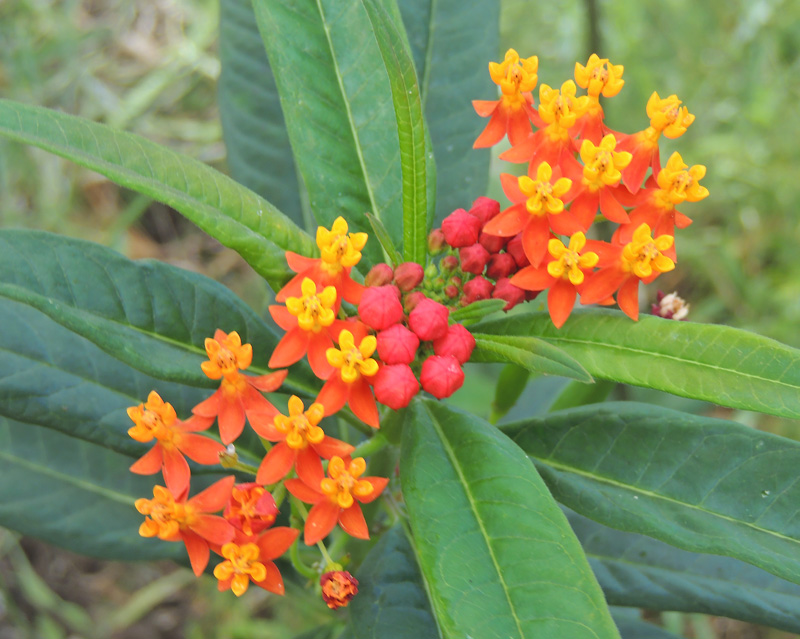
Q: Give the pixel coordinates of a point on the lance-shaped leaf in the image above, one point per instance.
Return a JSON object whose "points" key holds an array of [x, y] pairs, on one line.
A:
{"points": [[233, 214], [531, 353], [496, 552], [391, 602], [718, 364], [639, 571], [702, 484], [152, 316], [259, 153], [338, 108], [452, 43], [410, 129], [74, 494]]}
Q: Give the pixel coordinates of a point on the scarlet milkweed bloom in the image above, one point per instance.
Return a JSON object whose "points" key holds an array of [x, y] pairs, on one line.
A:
{"points": [[238, 395], [553, 144], [348, 384], [667, 117], [676, 183], [622, 267], [513, 112], [174, 518], [598, 77], [601, 173], [338, 588], [156, 419], [562, 274], [336, 498], [340, 251], [302, 443], [537, 208], [250, 559], [251, 508], [310, 324]]}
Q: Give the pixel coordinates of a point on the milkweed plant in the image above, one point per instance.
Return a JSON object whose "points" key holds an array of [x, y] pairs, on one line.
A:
{"points": [[150, 413]]}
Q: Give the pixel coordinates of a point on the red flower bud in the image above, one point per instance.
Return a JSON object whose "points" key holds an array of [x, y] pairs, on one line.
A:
{"points": [[408, 276], [451, 291], [435, 241], [449, 263], [492, 243], [476, 289], [411, 300], [461, 229], [379, 275], [395, 386], [380, 307], [338, 588], [515, 249], [505, 290], [441, 375], [458, 342], [429, 320], [485, 208], [501, 265], [473, 258], [397, 345]]}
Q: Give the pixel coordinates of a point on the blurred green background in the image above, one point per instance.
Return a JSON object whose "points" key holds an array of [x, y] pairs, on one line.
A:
{"points": [[151, 67]]}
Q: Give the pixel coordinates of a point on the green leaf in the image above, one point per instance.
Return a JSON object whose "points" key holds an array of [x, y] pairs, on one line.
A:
{"points": [[579, 394], [496, 552], [701, 484], [236, 216], [510, 384], [638, 571], [338, 108], [259, 153], [531, 353], [74, 494], [410, 130], [476, 311], [631, 626], [152, 316], [385, 240], [391, 601], [727, 366], [452, 44]]}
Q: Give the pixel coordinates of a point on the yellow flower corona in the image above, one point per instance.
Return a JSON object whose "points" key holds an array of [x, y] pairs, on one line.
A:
{"points": [[602, 164], [164, 517], [568, 261], [678, 183], [301, 428], [313, 311], [342, 482], [667, 116], [226, 356], [599, 76], [352, 361], [338, 248], [153, 420], [515, 76], [561, 109], [643, 254], [543, 197], [241, 563]]}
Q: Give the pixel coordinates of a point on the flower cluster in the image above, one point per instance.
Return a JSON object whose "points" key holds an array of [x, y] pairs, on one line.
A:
{"points": [[579, 169]]}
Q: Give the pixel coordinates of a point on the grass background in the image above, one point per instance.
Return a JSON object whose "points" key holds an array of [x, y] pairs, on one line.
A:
{"points": [[151, 67]]}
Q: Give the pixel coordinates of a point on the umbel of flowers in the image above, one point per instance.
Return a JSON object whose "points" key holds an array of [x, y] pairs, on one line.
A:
{"points": [[395, 336]]}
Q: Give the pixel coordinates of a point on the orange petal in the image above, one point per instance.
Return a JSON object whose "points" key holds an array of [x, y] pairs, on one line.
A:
{"points": [[611, 208], [494, 131], [230, 418], [213, 528], [535, 238], [628, 298], [533, 278], [290, 349], [292, 287], [309, 466], [378, 484], [353, 523], [276, 541], [485, 108], [525, 151], [150, 462], [363, 403], [349, 290], [268, 383], [333, 395], [317, 346], [201, 449], [602, 285], [283, 317], [510, 184], [215, 497], [273, 582], [329, 447], [584, 208], [509, 222], [303, 492], [321, 520], [263, 424], [197, 549], [560, 301], [299, 263], [276, 464], [518, 127], [176, 471], [633, 174], [195, 423], [210, 406]]}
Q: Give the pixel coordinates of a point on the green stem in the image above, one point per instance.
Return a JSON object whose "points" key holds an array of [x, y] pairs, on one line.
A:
{"points": [[370, 446], [299, 566], [301, 508]]}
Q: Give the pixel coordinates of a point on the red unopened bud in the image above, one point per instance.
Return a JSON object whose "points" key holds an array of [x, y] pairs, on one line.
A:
{"points": [[485, 208], [429, 320], [380, 307], [395, 386], [338, 588], [449, 263], [476, 289], [500, 265], [397, 345], [441, 375], [451, 291], [379, 275], [435, 241], [515, 249], [461, 229], [492, 243], [458, 342], [411, 300], [505, 290], [408, 276], [473, 258]]}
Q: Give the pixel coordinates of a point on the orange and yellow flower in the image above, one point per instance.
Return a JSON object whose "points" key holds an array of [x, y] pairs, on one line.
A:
{"points": [[598, 77], [156, 419], [251, 508]]}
